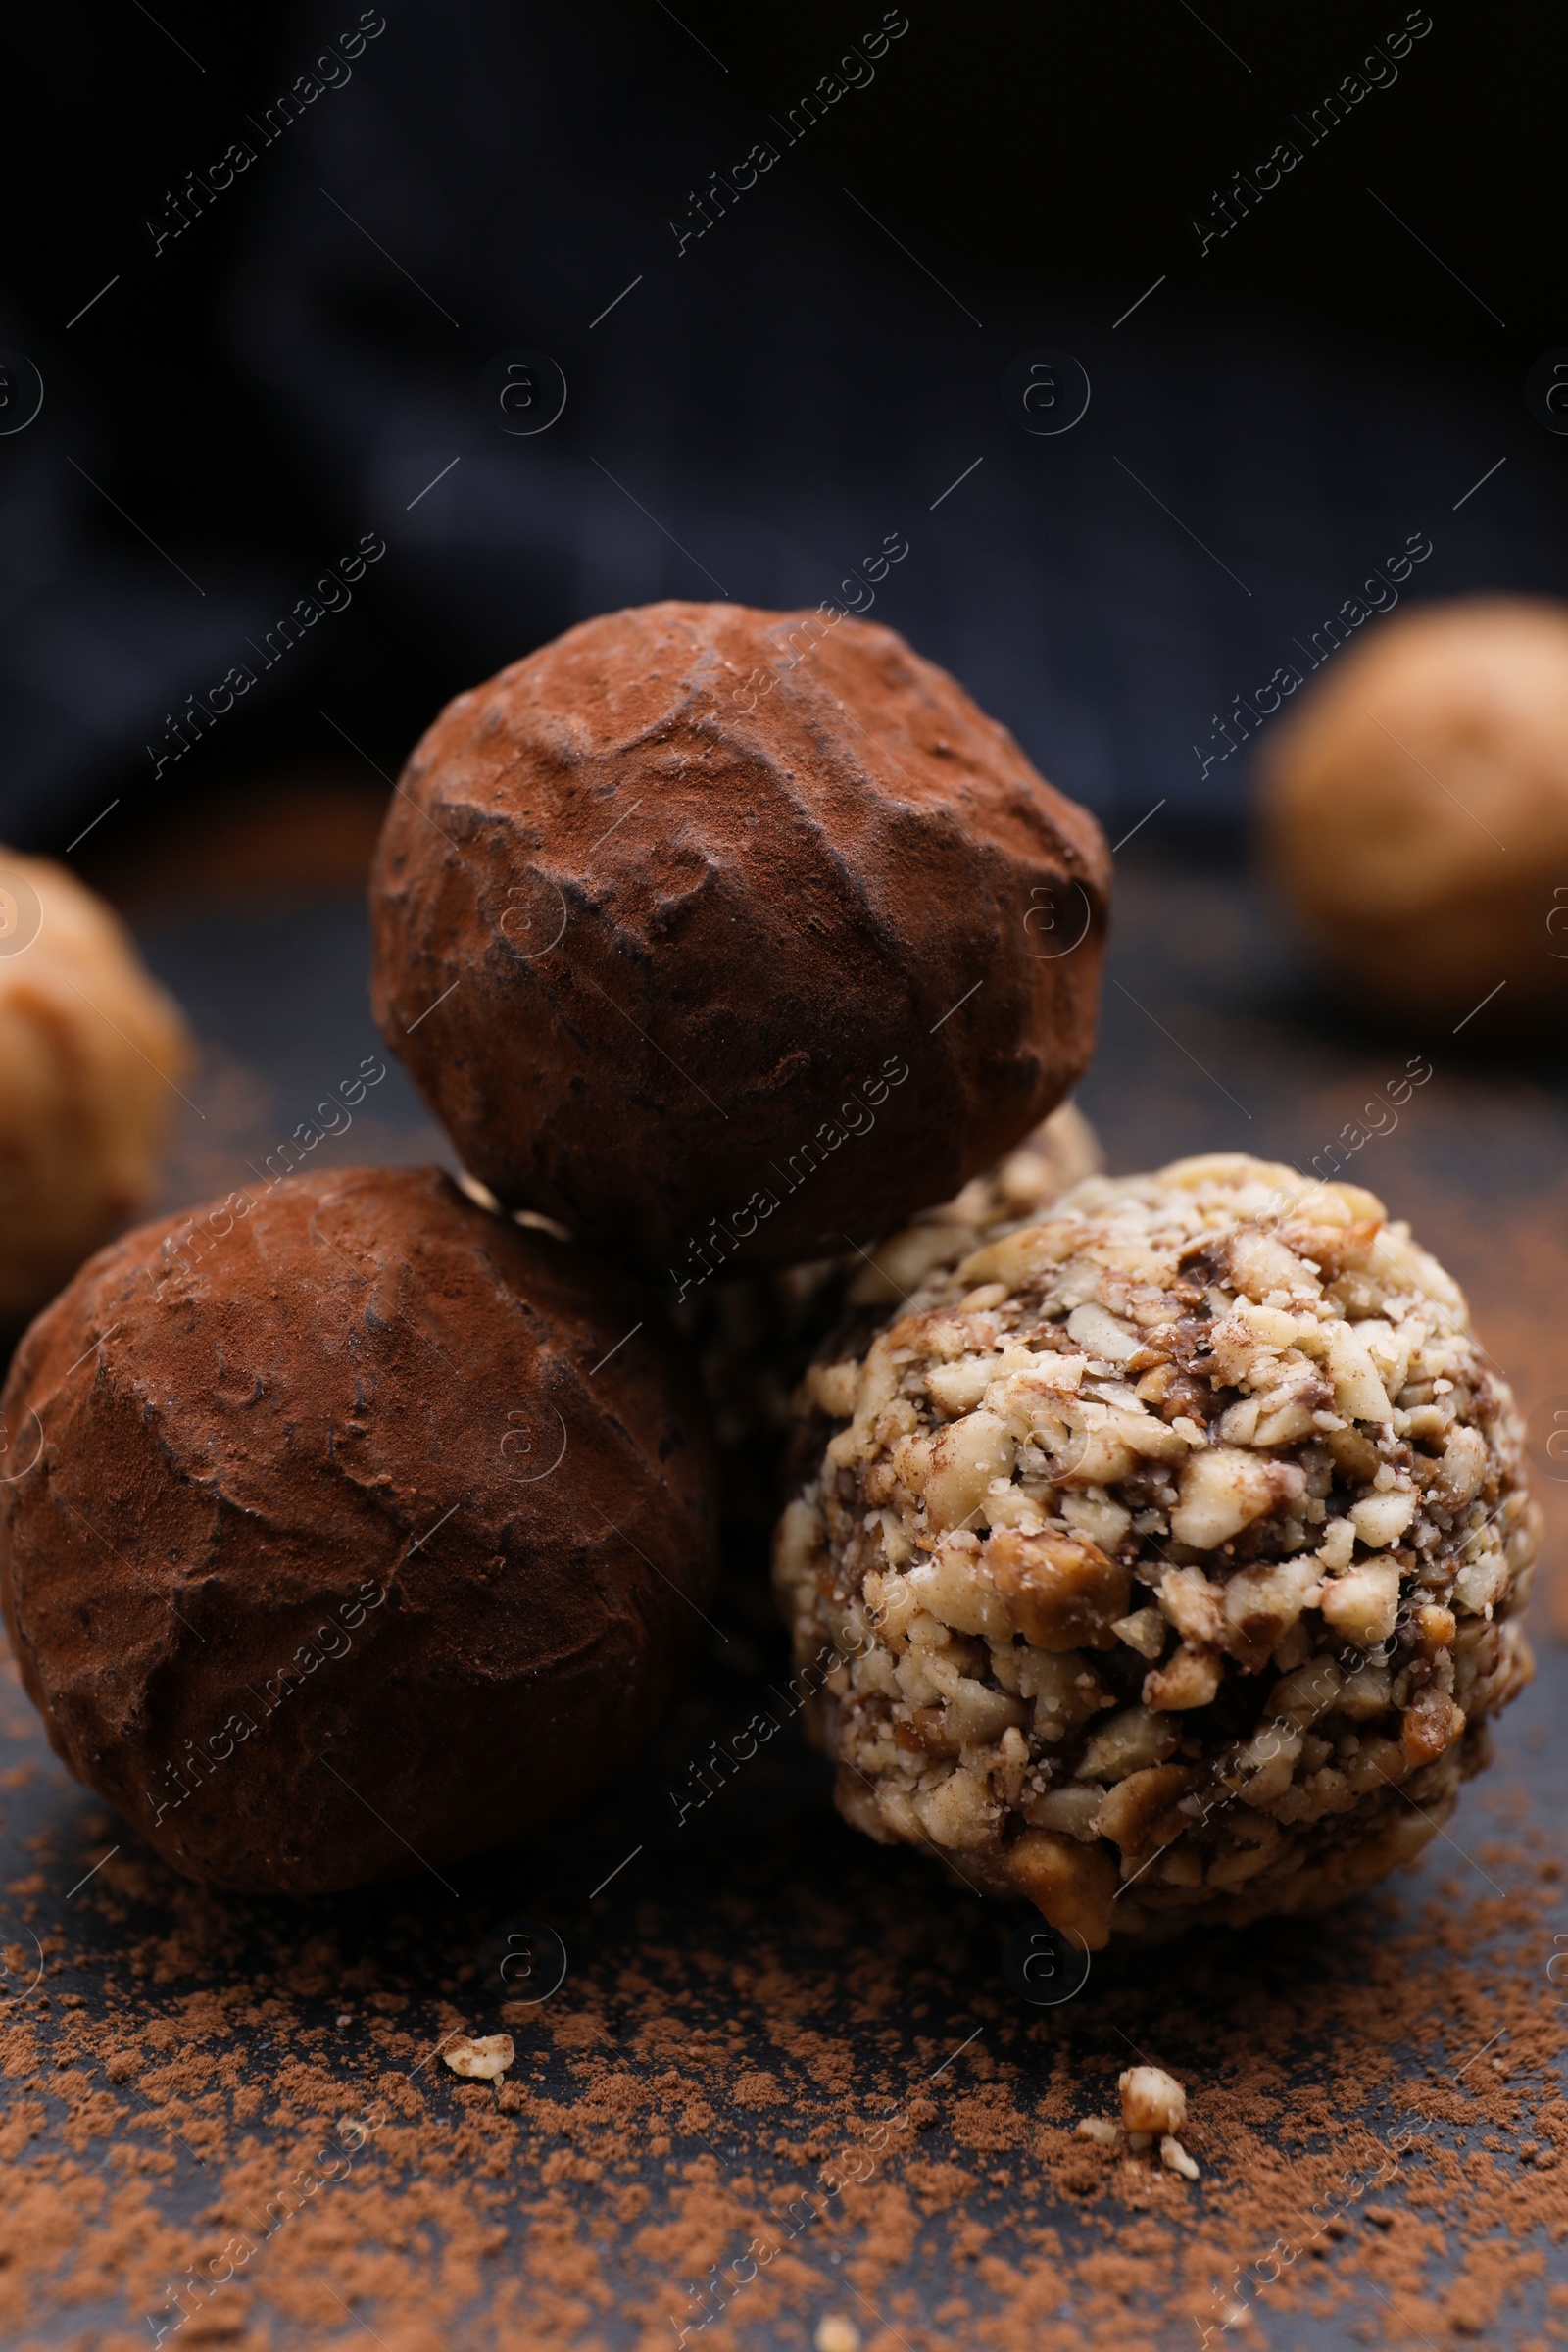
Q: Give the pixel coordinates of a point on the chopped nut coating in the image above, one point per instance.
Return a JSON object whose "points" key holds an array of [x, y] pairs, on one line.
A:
{"points": [[1161, 1559]]}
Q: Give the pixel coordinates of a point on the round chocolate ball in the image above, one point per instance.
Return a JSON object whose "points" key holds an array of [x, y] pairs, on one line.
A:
{"points": [[755, 1339], [352, 1530], [92, 1053], [722, 935], [1415, 809], [1166, 1557]]}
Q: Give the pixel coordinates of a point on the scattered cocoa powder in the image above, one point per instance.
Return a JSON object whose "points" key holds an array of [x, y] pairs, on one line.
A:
{"points": [[761, 2008], [784, 2078]]}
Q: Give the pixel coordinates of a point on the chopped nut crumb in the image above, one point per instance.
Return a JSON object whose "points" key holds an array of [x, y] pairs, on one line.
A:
{"points": [[482, 2056], [1174, 2157], [1096, 2128], [1151, 2100]]}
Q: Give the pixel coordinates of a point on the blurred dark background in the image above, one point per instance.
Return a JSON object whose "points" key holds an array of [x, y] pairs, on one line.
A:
{"points": [[241, 380]]}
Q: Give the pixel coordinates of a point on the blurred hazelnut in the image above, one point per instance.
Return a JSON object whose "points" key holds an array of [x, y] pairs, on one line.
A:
{"points": [[1415, 807], [91, 1051]]}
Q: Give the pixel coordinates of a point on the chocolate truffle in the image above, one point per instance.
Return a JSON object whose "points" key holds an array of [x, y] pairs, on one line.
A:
{"points": [[91, 1051], [1165, 1559], [755, 1337], [1061, 1153], [361, 1529], [1415, 809], [719, 935]]}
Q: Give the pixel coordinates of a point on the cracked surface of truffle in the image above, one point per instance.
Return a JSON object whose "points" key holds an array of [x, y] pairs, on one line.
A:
{"points": [[1162, 1559], [685, 922], [354, 1537]]}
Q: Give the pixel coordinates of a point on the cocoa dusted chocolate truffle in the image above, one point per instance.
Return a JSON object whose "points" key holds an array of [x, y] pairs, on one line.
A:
{"points": [[1415, 809], [1166, 1557], [722, 935], [361, 1530]]}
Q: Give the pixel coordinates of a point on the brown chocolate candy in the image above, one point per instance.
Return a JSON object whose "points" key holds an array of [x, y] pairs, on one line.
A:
{"points": [[721, 935], [344, 1537]]}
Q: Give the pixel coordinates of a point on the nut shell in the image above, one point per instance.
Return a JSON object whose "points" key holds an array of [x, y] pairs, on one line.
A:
{"points": [[340, 1548], [717, 934]]}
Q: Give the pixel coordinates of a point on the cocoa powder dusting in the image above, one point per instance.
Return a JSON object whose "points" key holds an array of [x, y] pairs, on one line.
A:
{"points": [[783, 2080]]}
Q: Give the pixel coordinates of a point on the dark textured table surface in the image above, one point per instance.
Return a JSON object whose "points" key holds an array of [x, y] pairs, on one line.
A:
{"points": [[746, 1981]]}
